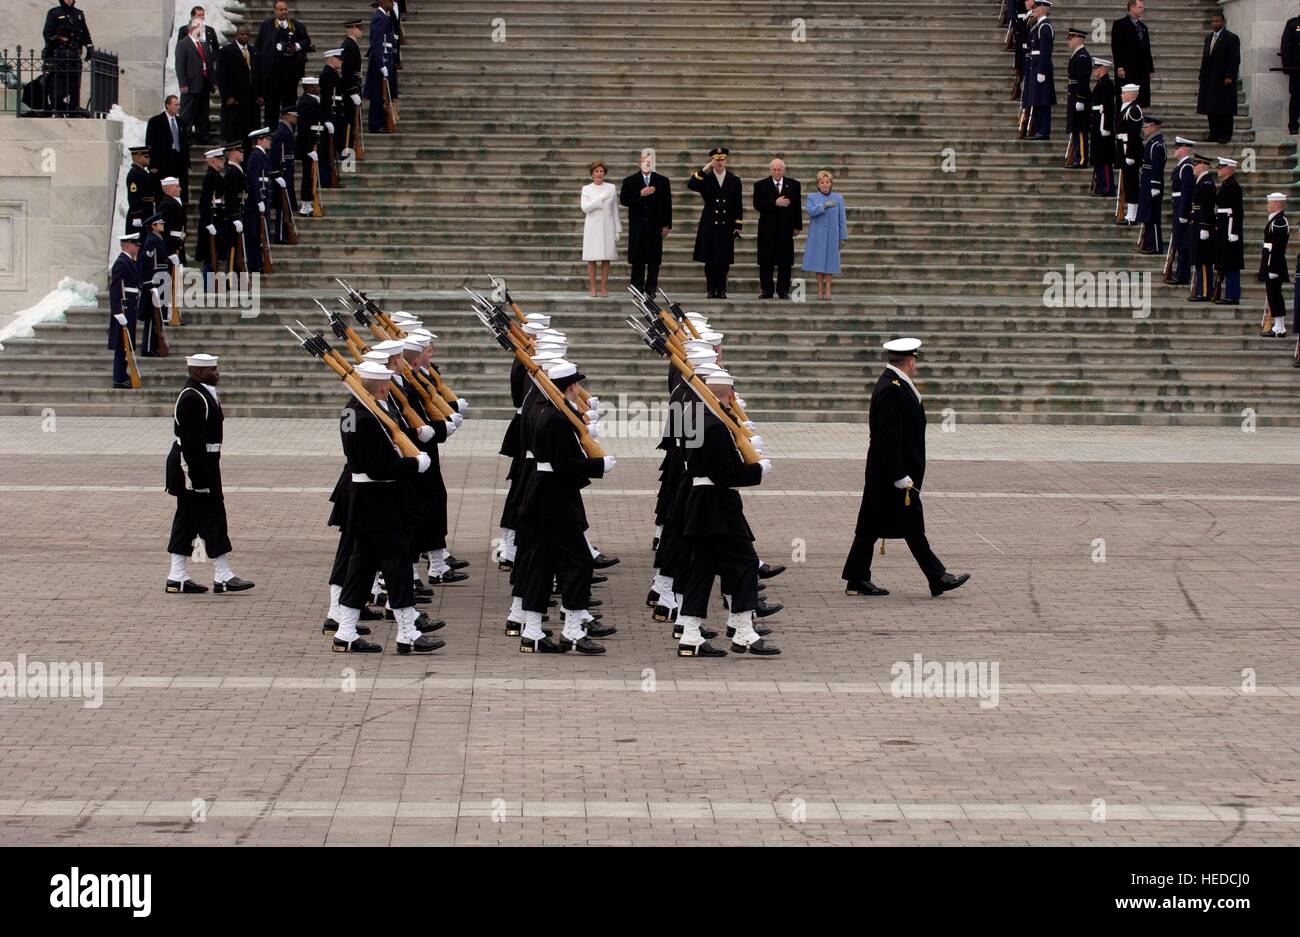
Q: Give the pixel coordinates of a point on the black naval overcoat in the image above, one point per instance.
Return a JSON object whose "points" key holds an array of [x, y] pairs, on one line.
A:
{"points": [[896, 450], [720, 218]]}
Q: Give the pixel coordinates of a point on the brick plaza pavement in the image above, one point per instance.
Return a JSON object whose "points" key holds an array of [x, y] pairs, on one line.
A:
{"points": [[1122, 714]]}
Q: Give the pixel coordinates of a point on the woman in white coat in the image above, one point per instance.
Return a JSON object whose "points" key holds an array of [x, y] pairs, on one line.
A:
{"points": [[602, 229]]}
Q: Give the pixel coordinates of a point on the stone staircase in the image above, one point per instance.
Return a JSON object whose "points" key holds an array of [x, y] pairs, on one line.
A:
{"points": [[484, 175]]}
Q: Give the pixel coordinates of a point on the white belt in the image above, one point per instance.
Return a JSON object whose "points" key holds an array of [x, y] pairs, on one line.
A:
{"points": [[363, 477], [213, 447], [1121, 136], [701, 482], [1268, 246], [529, 454], [1225, 211], [1177, 194], [130, 289], [177, 234], [1035, 52], [317, 126], [544, 467]]}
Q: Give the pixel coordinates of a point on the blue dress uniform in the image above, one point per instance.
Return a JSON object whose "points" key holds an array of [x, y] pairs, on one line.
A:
{"points": [[282, 168], [1229, 241], [1104, 109], [123, 300], [1040, 86], [379, 56], [1182, 184], [152, 258], [235, 193], [1204, 218], [1151, 198], [259, 190], [349, 84], [1273, 272], [1078, 106]]}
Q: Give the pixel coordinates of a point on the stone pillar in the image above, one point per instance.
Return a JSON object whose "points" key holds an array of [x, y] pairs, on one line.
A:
{"points": [[1259, 24]]}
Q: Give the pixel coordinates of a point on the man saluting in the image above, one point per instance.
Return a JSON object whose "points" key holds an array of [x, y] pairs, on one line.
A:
{"points": [[720, 219], [891, 498]]}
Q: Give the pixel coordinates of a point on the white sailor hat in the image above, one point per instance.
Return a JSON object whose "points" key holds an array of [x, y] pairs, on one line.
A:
{"points": [[705, 369], [401, 315], [373, 371], [422, 332], [546, 359], [308, 80], [713, 338], [541, 317], [1130, 89], [697, 317], [545, 343], [534, 328], [1042, 3], [409, 325], [380, 357], [563, 373], [260, 132], [132, 236], [415, 343], [710, 353], [1276, 197], [553, 333], [721, 377], [388, 348], [902, 346], [1183, 141], [170, 180], [1224, 161], [201, 360], [701, 344], [1101, 63], [333, 53], [218, 153]]}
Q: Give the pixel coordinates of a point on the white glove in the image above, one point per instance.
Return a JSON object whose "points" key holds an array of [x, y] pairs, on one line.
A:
{"points": [[424, 433], [1272, 276], [756, 442], [312, 156], [1105, 133], [592, 416], [174, 260], [239, 226], [904, 482], [1129, 161], [1233, 238], [1155, 193], [279, 47], [610, 462], [120, 318], [740, 400], [280, 181], [463, 406], [329, 127], [261, 206], [451, 428], [1205, 235], [766, 466], [212, 230], [593, 430], [1078, 105], [749, 424], [424, 461], [356, 99], [457, 419], [157, 296], [383, 70], [593, 402], [1182, 221], [1041, 78]]}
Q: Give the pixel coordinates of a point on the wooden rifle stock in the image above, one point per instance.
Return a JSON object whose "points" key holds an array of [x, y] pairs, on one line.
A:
{"points": [[286, 215], [315, 187], [264, 238], [359, 146], [589, 444], [390, 114], [175, 313], [345, 372], [129, 351], [164, 349]]}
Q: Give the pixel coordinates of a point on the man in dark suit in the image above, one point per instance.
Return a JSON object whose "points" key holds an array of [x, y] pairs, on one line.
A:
{"points": [[780, 218], [168, 144], [648, 198], [721, 219], [195, 70], [1291, 64], [1220, 67], [282, 47], [241, 98], [891, 497], [1130, 45]]}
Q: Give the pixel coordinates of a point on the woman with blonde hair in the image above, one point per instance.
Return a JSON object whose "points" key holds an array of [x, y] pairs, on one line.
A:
{"points": [[602, 226], [827, 232]]}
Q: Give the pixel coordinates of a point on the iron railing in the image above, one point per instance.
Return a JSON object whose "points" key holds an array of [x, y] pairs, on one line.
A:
{"points": [[36, 85]]}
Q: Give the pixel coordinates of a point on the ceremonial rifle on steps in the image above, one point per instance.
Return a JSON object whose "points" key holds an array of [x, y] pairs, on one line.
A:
{"points": [[286, 213], [315, 344]]}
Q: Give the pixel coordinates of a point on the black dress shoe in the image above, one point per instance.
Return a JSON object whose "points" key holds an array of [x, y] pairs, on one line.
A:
{"points": [[601, 561], [454, 563], [760, 630], [704, 650], [187, 586], [505, 564], [369, 614], [722, 295], [421, 590], [759, 648], [708, 634], [767, 572], [544, 646], [1227, 302], [421, 645], [423, 624], [355, 646], [596, 630], [651, 599], [765, 295], [595, 616], [661, 613], [233, 584], [121, 386], [594, 603], [514, 629], [332, 626], [598, 578], [947, 583], [864, 588], [764, 609], [654, 544], [761, 587], [448, 577], [582, 646]]}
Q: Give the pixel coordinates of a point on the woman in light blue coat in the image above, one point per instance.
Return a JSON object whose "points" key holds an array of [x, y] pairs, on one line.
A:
{"points": [[827, 231]]}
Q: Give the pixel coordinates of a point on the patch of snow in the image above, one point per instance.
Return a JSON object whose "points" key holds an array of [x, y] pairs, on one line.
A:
{"points": [[52, 308]]}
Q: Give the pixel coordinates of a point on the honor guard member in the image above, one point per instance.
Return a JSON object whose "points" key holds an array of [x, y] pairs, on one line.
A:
{"points": [[1182, 183], [211, 199], [194, 480], [1078, 100], [1204, 219], [123, 300], [1152, 182], [1274, 269], [175, 216], [721, 219], [258, 186], [1104, 116], [1229, 246], [551, 510], [376, 502], [235, 193], [141, 198], [1040, 84], [379, 63], [66, 36], [152, 261], [1020, 38], [718, 537], [891, 496], [282, 47], [534, 324], [1128, 155], [306, 147], [350, 86], [332, 106], [282, 160]]}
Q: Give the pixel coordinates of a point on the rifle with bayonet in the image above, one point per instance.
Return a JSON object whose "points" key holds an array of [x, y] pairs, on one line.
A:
{"points": [[495, 312]]}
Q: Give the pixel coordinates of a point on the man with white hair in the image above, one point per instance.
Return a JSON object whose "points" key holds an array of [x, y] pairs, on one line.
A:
{"points": [[648, 198]]}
